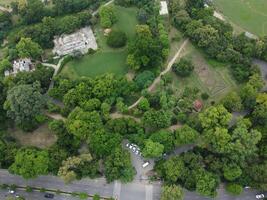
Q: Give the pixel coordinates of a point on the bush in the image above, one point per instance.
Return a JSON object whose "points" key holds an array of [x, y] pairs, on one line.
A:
{"points": [[234, 189], [42, 190], [29, 189], [183, 68], [96, 197], [116, 39], [144, 79], [204, 96], [83, 195]]}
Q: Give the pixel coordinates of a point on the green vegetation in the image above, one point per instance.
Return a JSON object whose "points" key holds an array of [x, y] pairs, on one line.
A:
{"points": [[106, 59], [248, 14]]}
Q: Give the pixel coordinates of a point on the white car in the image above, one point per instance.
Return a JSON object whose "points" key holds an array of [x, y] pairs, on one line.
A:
{"points": [[137, 152], [11, 191], [130, 146], [134, 149], [127, 145], [259, 196], [145, 164], [17, 196]]}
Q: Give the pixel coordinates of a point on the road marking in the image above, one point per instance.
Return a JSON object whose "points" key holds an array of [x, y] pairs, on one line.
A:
{"points": [[149, 192], [117, 190]]}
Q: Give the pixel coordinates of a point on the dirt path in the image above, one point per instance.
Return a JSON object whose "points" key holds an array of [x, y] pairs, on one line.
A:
{"points": [[110, 2], [157, 80], [5, 9], [119, 115], [55, 116]]}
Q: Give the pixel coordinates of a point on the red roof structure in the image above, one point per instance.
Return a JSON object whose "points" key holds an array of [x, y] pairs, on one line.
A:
{"points": [[198, 105]]}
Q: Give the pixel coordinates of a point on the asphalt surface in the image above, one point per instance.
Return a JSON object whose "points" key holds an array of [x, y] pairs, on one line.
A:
{"points": [[263, 67]]}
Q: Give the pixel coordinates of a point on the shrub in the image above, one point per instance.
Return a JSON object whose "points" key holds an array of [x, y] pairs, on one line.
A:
{"points": [[144, 79], [116, 39], [42, 190], [96, 197], [234, 189], [204, 96], [83, 195], [183, 68], [29, 189]]}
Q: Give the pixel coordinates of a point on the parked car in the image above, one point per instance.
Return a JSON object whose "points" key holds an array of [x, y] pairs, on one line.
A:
{"points": [[127, 145], [11, 191], [49, 195], [259, 196], [145, 164]]}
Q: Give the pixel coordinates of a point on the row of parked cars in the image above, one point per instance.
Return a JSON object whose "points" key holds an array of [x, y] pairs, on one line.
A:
{"points": [[136, 150]]}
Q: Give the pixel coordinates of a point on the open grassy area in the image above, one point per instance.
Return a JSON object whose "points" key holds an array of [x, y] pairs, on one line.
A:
{"points": [[249, 14], [106, 59], [6, 3], [209, 76], [41, 137]]}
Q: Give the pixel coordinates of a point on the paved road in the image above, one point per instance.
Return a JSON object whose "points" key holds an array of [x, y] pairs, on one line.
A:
{"points": [[263, 67]]}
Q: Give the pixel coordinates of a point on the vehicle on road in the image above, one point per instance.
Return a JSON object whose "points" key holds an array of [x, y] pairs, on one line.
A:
{"points": [[11, 191], [49, 195], [145, 164], [259, 196], [17, 196]]}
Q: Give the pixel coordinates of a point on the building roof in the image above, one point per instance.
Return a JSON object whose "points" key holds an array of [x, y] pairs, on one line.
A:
{"points": [[198, 105]]}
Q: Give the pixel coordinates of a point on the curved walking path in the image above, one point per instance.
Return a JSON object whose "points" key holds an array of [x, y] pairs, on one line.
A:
{"points": [[157, 80], [4, 9]]}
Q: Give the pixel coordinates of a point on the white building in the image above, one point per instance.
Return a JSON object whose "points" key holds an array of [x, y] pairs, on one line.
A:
{"points": [[163, 8], [21, 65], [82, 40]]}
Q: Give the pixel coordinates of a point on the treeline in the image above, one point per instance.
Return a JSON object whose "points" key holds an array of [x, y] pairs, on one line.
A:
{"points": [[216, 37]]}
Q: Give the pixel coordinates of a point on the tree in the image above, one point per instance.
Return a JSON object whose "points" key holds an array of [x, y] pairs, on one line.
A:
{"points": [[5, 64], [29, 163], [234, 188], [152, 149], [116, 39], [164, 137], [144, 79], [2, 101], [23, 104], [206, 183], [172, 192], [67, 170], [31, 11], [215, 116], [156, 119], [231, 172], [144, 51], [144, 104], [83, 124], [107, 16], [28, 49], [183, 68], [232, 102], [174, 169], [118, 166], [185, 135]]}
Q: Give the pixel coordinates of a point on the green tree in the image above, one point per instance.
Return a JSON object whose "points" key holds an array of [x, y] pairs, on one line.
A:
{"points": [[234, 188], [156, 119], [118, 166], [143, 52], [185, 135], [232, 172], [215, 116], [164, 137], [144, 104], [206, 183], [183, 68], [28, 49], [5, 64], [152, 149], [29, 163], [172, 192], [107, 16], [116, 39], [23, 104], [144, 79], [32, 11], [174, 169], [232, 102]]}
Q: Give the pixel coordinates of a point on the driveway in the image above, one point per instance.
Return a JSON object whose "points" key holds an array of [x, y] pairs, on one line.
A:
{"points": [[263, 67]]}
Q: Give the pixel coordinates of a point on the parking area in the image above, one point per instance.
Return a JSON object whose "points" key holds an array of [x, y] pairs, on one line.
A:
{"points": [[142, 165]]}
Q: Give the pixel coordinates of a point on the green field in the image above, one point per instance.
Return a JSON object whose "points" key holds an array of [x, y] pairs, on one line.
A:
{"points": [[106, 59], [249, 15]]}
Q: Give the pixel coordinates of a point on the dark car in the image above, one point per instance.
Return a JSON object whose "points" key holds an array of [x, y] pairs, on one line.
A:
{"points": [[49, 196]]}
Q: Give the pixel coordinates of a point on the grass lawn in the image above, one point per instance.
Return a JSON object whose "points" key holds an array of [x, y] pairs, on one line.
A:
{"points": [[209, 76], [106, 59], [6, 3], [249, 14], [41, 137]]}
